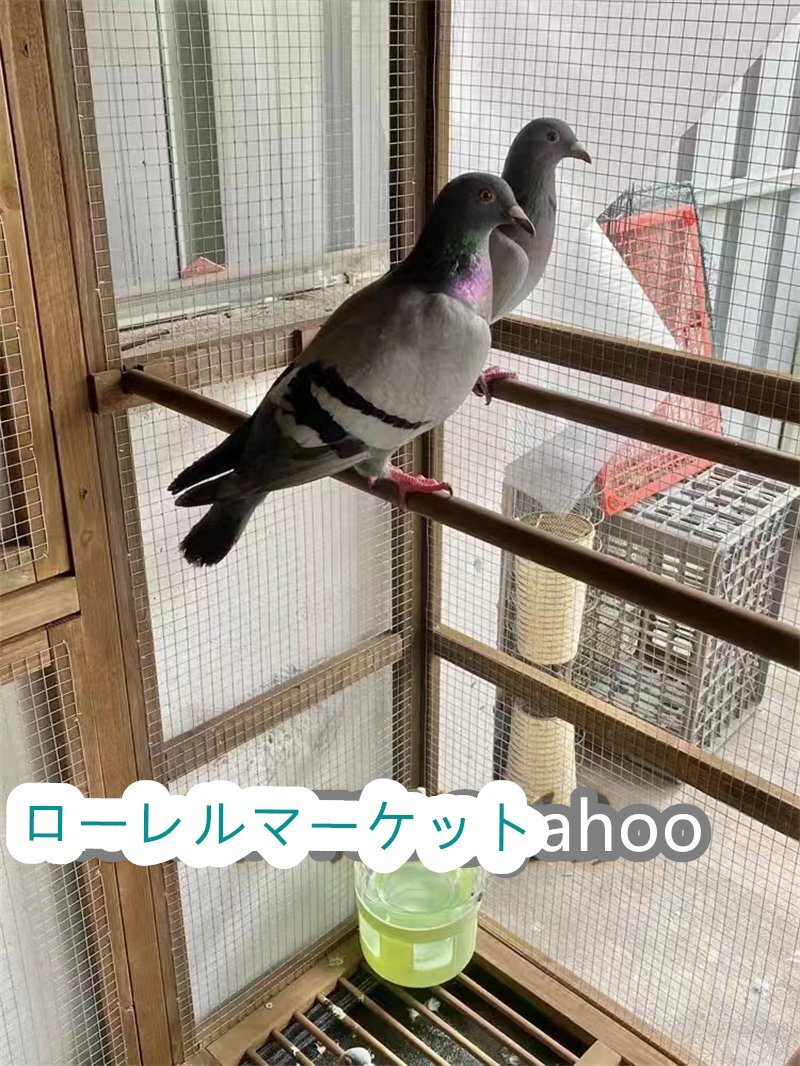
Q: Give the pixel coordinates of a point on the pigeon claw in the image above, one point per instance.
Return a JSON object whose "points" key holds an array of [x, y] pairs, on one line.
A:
{"points": [[408, 483], [483, 386]]}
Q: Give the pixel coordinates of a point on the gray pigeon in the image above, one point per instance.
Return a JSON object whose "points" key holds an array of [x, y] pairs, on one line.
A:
{"points": [[519, 258], [395, 360]]}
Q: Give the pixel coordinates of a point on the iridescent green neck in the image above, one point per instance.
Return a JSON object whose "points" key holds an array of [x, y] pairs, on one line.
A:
{"points": [[457, 265]]}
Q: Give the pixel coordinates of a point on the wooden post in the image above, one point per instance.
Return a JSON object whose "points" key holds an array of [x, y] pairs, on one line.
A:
{"points": [[36, 140]]}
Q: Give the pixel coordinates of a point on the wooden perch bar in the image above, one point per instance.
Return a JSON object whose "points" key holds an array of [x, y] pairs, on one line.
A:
{"points": [[746, 629], [739, 454], [624, 733], [760, 392]]}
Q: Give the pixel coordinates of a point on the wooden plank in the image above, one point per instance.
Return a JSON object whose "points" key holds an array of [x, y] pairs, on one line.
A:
{"points": [[38, 605], [82, 755], [736, 453], [203, 364], [574, 1012], [600, 1055], [93, 278], [279, 1009], [758, 633], [626, 734], [760, 392], [431, 446], [36, 138], [52, 538], [212, 739], [18, 655], [16, 568]]}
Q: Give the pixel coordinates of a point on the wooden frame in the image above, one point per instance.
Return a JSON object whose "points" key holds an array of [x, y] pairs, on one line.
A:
{"points": [[121, 744], [34, 401], [624, 733], [759, 392], [611, 1039], [35, 132]]}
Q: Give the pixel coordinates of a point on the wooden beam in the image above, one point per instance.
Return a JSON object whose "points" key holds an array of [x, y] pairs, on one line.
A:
{"points": [[574, 1011], [51, 539], [760, 392], [600, 1055], [38, 605], [280, 1008], [624, 733], [37, 143], [212, 739], [95, 289], [764, 636], [22, 654], [736, 453]]}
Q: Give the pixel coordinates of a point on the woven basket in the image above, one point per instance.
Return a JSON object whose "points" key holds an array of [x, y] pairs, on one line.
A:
{"points": [[550, 605], [541, 756]]}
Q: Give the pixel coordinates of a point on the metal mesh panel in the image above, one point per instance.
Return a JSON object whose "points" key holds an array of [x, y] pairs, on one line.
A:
{"points": [[59, 993], [702, 951], [242, 184], [675, 102], [23, 536]]}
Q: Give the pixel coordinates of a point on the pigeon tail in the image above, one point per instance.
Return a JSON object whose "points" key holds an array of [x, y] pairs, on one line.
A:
{"points": [[209, 541]]}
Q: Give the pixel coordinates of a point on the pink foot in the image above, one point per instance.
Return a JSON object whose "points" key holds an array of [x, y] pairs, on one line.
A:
{"points": [[408, 483], [483, 386]]}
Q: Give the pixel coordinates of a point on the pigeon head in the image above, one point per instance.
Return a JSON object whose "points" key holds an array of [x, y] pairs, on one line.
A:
{"points": [[476, 204], [546, 141]]}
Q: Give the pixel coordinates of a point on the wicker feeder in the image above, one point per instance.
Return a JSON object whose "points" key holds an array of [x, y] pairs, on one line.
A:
{"points": [[550, 605], [541, 756]]}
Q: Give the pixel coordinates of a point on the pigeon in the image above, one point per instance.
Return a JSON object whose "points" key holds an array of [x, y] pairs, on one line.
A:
{"points": [[519, 259], [393, 361]]}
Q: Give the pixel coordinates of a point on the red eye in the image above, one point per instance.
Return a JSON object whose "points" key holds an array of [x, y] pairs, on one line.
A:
{"points": [[486, 196]]}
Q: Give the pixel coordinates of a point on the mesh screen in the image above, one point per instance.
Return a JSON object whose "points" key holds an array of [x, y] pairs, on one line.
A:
{"points": [[683, 233], [242, 183], [23, 536], [248, 167], [59, 993]]}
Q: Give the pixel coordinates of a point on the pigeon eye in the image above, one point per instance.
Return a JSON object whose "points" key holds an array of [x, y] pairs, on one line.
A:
{"points": [[486, 196], [552, 135]]}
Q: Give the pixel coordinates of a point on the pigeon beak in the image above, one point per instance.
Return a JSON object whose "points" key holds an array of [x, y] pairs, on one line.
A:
{"points": [[577, 151], [521, 219]]}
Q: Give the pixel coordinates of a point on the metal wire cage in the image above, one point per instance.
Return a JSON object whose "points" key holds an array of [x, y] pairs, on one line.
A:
{"points": [[59, 986], [234, 170]]}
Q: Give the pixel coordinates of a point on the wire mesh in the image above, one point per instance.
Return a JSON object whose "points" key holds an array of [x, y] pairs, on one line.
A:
{"points": [[682, 107], [248, 168], [250, 165], [59, 991], [23, 537]]}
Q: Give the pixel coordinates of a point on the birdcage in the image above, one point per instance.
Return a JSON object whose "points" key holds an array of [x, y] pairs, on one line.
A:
{"points": [[190, 188]]}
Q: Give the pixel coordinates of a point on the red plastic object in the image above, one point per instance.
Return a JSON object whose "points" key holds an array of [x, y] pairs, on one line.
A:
{"points": [[662, 250]]}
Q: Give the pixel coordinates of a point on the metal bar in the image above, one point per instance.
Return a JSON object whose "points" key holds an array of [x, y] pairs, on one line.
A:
{"points": [[294, 1051], [218, 735], [359, 1030], [457, 1004], [518, 1019], [740, 454], [321, 1037], [441, 1024], [393, 1023], [746, 629], [761, 392], [253, 1056], [622, 732]]}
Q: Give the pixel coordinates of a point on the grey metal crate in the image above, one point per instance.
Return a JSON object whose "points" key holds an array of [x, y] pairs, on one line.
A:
{"points": [[725, 532]]}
